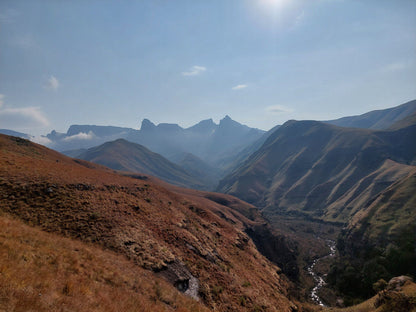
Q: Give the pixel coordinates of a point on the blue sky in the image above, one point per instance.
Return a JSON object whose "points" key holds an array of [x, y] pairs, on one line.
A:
{"points": [[260, 61]]}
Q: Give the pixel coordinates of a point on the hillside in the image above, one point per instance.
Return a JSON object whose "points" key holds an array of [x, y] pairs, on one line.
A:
{"points": [[378, 119], [195, 243], [126, 156], [309, 176], [43, 271], [322, 171], [195, 166], [379, 241]]}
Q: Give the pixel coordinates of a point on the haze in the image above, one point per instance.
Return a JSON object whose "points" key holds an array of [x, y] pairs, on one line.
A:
{"points": [[262, 61]]}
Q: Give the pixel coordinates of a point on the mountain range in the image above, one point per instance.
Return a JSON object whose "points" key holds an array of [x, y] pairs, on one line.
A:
{"points": [[211, 142], [299, 186]]}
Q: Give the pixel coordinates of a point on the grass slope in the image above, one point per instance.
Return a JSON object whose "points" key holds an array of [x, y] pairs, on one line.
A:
{"points": [[322, 171], [42, 271], [170, 233]]}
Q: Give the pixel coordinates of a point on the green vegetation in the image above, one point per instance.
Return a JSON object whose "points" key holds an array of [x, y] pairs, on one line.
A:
{"points": [[357, 275]]}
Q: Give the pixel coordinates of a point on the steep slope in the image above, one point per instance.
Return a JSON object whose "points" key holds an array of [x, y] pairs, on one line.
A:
{"points": [[405, 122], [322, 170], [308, 174], [126, 156], [379, 241], [378, 119], [45, 272], [195, 243], [242, 156], [202, 171]]}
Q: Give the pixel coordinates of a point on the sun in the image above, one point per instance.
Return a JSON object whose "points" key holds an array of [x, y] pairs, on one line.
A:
{"points": [[276, 4]]}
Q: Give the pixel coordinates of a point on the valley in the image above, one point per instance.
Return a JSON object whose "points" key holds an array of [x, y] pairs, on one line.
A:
{"points": [[306, 213]]}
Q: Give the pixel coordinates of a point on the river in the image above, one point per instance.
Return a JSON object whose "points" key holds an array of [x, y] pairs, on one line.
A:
{"points": [[319, 281]]}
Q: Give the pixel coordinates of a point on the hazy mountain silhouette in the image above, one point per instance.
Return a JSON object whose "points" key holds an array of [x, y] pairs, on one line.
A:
{"points": [[127, 156], [15, 133], [215, 144], [377, 119]]}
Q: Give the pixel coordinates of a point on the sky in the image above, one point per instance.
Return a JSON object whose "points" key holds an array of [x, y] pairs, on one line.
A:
{"points": [[262, 62]]}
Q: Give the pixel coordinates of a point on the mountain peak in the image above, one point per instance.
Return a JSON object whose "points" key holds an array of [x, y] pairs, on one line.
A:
{"points": [[147, 125], [227, 121], [204, 125]]}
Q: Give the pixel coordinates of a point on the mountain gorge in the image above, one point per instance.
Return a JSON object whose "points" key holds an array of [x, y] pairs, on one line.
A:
{"points": [[310, 176]]}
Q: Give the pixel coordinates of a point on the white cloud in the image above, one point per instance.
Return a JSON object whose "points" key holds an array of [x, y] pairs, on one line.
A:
{"points": [[22, 118], [80, 136], [278, 109], [239, 87], [194, 71], [1, 100], [41, 139], [53, 83]]}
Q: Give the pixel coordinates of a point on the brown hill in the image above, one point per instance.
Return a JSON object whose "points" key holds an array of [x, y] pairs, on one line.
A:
{"points": [[127, 156], [196, 243]]}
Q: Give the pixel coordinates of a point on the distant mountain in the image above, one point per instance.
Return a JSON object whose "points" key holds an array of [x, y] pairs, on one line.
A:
{"points": [[85, 136], [208, 141], [322, 171], [127, 156], [16, 134], [378, 119], [196, 167], [215, 144], [405, 122]]}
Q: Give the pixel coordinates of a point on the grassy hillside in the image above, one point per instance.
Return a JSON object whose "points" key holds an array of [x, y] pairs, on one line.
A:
{"points": [[42, 271], [196, 244], [379, 241], [322, 171]]}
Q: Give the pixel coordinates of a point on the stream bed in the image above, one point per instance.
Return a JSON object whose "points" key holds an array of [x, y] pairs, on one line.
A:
{"points": [[319, 281]]}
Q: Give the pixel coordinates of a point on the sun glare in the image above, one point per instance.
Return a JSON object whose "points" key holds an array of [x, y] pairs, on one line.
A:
{"points": [[275, 4]]}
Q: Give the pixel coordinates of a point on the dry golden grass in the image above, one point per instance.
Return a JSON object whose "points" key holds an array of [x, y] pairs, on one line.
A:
{"points": [[44, 272], [408, 290], [139, 219]]}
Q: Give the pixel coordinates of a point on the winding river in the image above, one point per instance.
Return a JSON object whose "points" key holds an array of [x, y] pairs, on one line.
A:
{"points": [[319, 281]]}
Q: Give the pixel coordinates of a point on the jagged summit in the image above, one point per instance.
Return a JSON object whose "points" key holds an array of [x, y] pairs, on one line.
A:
{"points": [[147, 125]]}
